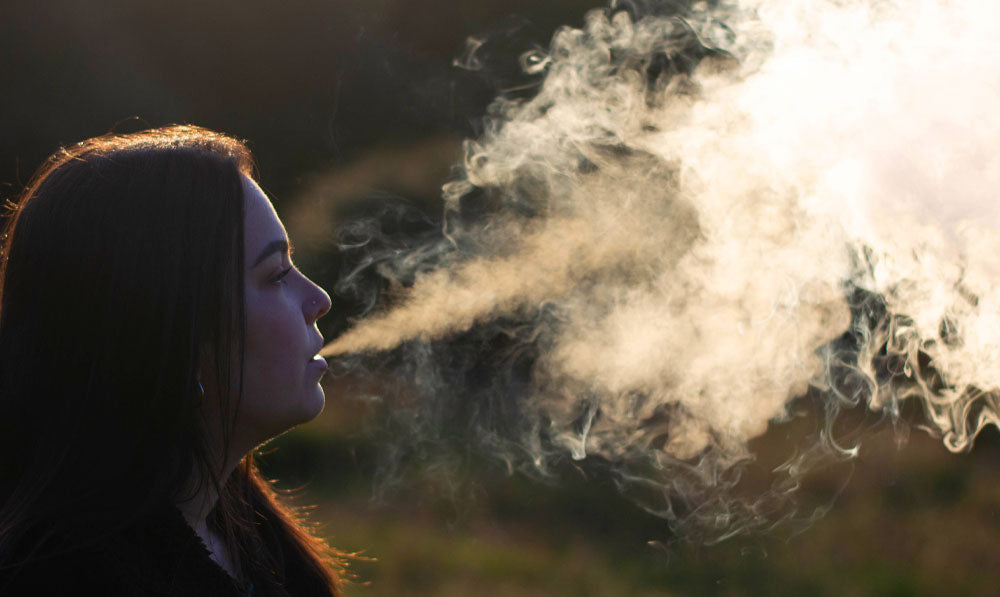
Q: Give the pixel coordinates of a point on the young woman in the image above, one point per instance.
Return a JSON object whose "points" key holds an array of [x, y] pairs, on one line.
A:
{"points": [[153, 331]]}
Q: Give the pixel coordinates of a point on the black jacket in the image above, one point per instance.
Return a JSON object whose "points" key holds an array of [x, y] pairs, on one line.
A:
{"points": [[162, 556]]}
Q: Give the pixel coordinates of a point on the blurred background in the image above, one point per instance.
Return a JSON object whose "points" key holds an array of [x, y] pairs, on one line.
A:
{"points": [[349, 104]]}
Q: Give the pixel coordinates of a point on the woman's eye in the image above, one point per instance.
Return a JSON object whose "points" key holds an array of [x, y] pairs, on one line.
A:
{"points": [[278, 279]]}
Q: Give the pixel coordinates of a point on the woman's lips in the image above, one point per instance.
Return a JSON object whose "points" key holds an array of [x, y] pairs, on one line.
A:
{"points": [[318, 362]]}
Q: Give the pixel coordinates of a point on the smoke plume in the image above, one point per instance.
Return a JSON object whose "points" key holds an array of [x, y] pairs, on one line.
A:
{"points": [[702, 215]]}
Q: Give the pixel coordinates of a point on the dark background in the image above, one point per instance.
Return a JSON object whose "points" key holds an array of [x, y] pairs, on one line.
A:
{"points": [[346, 102], [311, 83]]}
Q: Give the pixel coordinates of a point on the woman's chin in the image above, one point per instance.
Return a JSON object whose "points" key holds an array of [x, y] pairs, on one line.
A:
{"points": [[263, 426], [308, 408], [315, 404]]}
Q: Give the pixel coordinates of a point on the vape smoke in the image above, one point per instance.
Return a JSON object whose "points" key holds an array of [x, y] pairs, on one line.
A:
{"points": [[700, 216]]}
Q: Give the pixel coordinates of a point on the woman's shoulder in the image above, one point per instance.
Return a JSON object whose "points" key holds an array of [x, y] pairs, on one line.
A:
{"points": [[158, 555]]}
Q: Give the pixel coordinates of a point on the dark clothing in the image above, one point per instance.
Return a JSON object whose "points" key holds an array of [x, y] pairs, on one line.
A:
{"points": [[160, 557]]}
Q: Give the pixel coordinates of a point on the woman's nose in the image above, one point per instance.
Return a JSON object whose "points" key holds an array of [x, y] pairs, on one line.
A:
{"points": [[319, 303]]}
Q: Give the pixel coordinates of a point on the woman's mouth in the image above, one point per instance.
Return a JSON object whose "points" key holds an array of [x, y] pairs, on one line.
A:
{"points": [[318, 362]]}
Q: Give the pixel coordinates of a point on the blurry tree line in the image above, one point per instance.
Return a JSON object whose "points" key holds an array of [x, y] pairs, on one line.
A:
{"points": [[311, 83]]}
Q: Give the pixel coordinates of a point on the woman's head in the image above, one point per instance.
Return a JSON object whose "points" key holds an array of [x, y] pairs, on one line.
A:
{"points": [[137, 340]]}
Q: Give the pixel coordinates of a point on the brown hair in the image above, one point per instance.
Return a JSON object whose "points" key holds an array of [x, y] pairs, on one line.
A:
{"points": [[122, 265]]}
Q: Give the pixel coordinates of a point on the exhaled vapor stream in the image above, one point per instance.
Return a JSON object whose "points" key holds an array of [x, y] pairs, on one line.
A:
{"points": [[689, 209]]}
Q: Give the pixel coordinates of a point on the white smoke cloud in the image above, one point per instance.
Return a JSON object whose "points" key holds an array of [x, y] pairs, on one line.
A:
{"points": [[698, 235]]}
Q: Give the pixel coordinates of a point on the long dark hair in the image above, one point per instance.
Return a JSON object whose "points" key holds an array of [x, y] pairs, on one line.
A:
{"points": [[122, 269]]}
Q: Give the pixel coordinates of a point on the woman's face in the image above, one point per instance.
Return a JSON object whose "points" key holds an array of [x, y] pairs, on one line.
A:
{"points": [[281, 370]]}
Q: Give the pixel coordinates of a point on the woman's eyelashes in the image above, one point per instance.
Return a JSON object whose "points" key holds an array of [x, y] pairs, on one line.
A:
{"points": [[279, 278]]}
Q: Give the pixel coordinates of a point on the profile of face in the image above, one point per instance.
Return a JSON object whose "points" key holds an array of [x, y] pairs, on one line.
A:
{"points": [[281, 369]]}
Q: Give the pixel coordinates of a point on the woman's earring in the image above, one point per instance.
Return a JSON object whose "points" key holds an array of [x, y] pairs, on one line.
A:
{"points": [[201, 391]]}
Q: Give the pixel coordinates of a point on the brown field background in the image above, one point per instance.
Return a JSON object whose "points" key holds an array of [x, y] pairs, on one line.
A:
{"points": [[910, 520]]}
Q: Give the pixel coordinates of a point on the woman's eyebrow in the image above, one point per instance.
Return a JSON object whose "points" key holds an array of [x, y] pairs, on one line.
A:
{"points": [[275, 246]]}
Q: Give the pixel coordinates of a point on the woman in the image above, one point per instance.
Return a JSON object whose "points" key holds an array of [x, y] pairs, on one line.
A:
{"points": [[153, 331]]}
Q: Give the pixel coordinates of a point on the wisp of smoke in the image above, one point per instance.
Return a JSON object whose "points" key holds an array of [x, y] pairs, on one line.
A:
{"points": [[689, 222]]}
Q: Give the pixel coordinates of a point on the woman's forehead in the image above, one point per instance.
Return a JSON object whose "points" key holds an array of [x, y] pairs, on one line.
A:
{"points": [[261, 223]]}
